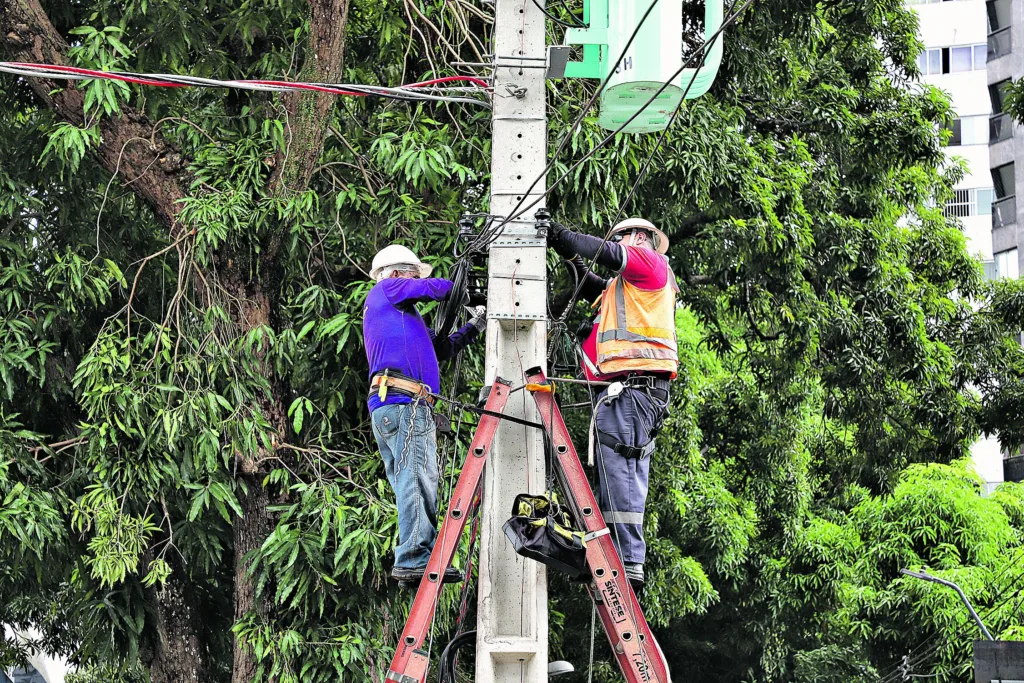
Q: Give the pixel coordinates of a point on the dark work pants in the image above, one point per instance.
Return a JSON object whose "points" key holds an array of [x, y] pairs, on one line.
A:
{"points": [[630, 418]]}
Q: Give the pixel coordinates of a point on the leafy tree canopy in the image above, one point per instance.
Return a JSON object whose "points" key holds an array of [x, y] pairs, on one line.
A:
{"points": [[188, 482]]}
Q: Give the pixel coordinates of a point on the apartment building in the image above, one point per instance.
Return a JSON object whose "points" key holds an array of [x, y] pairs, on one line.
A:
{"points": [[1006, 30], [958, 59]]}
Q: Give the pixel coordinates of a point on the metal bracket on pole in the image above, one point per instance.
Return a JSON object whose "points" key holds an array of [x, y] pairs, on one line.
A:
{"points": [[925, 576]]}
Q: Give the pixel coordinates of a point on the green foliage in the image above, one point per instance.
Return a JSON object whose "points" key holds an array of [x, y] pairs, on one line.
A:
{"points": [[839, 350]]}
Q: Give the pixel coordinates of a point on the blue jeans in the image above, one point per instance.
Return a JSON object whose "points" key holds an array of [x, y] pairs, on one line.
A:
{"points": [[407, 438]]}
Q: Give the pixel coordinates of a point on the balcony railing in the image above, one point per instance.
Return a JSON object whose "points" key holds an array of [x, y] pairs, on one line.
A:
{"points": [[1004, 212], [999, 43], [1000, 127]]}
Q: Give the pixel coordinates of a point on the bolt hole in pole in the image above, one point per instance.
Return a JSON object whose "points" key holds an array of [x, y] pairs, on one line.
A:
{"points": [[925, 576], [478, 451], [562, 448]]}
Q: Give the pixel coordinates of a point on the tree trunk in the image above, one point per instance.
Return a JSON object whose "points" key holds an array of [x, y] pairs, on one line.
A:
{"points": [[249, 533], [309, 114], [308, 121], [178, 656]]}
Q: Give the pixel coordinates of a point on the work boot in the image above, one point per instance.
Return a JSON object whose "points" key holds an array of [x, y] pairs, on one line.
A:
{"points": [[410, 578], [635, 574]]}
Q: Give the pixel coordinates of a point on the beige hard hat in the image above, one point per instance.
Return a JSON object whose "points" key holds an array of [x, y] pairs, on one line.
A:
{"points": [[660, 238], [396, 256]]}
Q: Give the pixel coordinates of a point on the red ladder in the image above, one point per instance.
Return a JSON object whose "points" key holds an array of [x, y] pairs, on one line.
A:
{"points": [[639, 656], [410, 662]]}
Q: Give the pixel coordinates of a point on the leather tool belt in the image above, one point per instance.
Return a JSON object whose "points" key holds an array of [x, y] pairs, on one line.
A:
{"points": [[388, 382]]}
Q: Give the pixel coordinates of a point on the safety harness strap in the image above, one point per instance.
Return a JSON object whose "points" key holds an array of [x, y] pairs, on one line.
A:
{"points": [[622, 449]]}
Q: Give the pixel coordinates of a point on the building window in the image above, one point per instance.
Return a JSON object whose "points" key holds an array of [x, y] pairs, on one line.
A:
{"points": [[1004, 180], [998, 14], [944, 60], [969, 130], [984, 201], [930, 61], [997, 95], [1006, 264], [1000, 127], [970, 202], [29, 675], [961, 59]]}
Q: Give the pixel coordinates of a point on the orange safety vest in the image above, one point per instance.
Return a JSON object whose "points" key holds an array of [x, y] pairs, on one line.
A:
{"points": [[637, 330]]}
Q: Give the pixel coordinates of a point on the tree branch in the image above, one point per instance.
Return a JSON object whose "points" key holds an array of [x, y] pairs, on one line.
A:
{"points": [[161, 173], [753, 323]]}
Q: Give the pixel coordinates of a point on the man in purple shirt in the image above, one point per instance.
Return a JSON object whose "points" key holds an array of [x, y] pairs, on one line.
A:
{"points": [[403, 355]]}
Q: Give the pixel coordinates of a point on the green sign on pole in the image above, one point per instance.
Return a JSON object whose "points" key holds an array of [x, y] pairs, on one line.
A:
{"points": [[654, 56]]}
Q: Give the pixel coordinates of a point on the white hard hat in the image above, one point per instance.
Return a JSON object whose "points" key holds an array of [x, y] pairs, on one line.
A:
{"points": [[660, 238], [397, 256]]}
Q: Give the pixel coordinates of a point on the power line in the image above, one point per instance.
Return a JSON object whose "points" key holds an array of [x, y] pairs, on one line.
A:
{"points": [[701, 50], [555, 19], [410, 91], [490, 233]]}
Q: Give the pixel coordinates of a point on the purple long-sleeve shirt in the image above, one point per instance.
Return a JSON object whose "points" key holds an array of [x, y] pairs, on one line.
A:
{"points": [[397, 338]]}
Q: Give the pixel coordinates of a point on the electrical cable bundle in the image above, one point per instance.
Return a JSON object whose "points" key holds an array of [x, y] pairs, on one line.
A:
{"points": [[450, 308], [493, 231], [446, 667], [409, 92]]}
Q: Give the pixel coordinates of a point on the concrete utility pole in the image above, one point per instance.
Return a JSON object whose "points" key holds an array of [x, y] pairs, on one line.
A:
{"points": [[512, 622]]}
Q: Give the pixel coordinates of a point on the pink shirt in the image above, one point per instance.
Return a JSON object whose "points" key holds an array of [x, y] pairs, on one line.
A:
{"points": [[646, 269]]}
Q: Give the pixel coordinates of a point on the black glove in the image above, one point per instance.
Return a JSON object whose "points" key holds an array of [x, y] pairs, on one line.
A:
{"points": [[556, 231]]}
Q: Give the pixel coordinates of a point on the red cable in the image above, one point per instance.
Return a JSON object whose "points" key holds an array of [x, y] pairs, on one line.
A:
{"points": [[101, 74], [450, 79]]}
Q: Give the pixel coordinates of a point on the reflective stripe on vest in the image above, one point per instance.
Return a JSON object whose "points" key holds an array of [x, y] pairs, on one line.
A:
{"points": [[642, 336]]}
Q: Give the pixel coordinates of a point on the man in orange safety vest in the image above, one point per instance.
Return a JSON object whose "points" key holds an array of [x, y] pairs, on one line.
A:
{"points": [[631, 345]]}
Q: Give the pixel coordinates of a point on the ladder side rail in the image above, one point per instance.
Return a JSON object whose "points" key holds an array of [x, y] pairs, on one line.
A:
{"points": [[410, 661], [637, 652]]}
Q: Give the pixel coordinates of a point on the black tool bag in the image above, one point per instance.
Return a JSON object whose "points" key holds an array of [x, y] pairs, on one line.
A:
{"points": [[542, 530]]}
